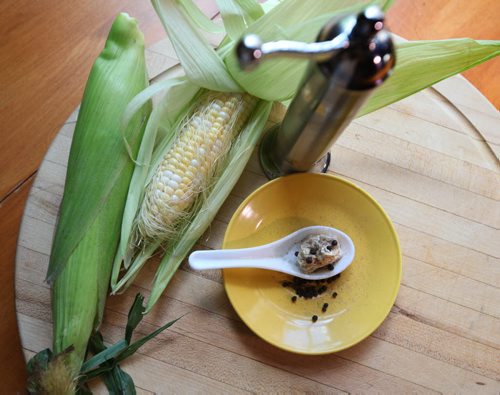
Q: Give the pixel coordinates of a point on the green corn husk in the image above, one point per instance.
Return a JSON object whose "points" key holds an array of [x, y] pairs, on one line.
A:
{"points": [[421, 64], [97, 180], [179, 95], [418, 65]]}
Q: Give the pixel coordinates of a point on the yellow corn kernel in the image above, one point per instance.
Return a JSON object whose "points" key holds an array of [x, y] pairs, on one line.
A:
{"points": [[187, 168]]}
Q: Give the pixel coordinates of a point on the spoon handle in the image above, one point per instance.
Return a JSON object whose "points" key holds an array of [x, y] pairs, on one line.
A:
{"points": [[226, 259]]}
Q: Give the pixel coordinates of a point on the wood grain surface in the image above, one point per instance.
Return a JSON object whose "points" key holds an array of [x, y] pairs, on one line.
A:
{"points": [[441, 19], [435, 172], [46, 50]]}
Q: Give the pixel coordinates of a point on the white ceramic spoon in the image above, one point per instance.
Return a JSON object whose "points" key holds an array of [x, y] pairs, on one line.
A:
{"points": [[278, 255]]}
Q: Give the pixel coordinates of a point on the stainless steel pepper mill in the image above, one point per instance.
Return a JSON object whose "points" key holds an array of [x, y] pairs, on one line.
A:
{"points": [[352, 56]]}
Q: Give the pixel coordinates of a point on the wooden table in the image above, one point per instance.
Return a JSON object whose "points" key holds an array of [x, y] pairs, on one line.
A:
{"points": [[23, 150], [431, 161]]}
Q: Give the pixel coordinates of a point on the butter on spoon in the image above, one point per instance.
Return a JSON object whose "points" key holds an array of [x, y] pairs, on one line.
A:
{"points": [[279, 255]]}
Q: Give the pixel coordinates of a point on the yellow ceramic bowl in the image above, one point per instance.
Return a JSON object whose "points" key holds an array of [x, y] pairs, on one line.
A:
{"points": [[365, 291]]}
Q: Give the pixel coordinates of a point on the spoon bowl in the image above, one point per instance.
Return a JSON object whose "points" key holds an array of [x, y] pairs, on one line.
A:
{"points": [[278, 255]]}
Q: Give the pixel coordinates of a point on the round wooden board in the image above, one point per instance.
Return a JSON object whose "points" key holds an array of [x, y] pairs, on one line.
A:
{"points": [[431, 160]]}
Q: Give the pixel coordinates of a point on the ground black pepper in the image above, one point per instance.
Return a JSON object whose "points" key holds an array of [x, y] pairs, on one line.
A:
{"points": [[314, 318], [334, 295], [325, 306]]}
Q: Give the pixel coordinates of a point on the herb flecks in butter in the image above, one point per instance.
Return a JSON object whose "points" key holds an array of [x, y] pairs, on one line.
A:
{"points": [[318, 251]]}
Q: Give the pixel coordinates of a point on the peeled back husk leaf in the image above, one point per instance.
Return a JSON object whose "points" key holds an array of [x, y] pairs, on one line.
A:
{"points": [[420, 64], [178, 94], [278, 79], [202, 64], [237, 15]]}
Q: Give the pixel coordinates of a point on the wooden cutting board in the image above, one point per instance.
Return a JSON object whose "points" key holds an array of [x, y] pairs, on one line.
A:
{"points": [[431, 160]]}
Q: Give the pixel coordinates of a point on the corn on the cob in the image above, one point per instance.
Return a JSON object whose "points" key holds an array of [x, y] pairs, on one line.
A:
{"points": [[97, 153], [182, 175], [97, 180], [187, 168]]}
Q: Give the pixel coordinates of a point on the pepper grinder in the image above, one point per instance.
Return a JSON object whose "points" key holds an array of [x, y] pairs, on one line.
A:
{"points": [[350, 58]]}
